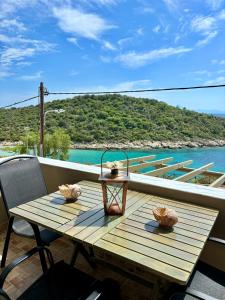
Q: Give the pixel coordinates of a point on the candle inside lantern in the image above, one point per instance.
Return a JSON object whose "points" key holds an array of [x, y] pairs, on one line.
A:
{"points": [[114, 209]]}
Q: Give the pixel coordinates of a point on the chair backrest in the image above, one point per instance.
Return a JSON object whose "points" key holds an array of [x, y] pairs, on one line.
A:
{"points": [[21, 180]]}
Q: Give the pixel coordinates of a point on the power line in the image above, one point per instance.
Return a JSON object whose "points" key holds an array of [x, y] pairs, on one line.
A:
{"points": [[15, 103], [138, 91], [117, 92]]}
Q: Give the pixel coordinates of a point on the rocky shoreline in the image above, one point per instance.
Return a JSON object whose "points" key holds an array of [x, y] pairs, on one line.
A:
{"points": [[146, 145]]}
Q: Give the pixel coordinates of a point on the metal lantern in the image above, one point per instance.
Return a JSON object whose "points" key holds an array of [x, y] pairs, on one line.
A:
{"points": [[114, 188]]}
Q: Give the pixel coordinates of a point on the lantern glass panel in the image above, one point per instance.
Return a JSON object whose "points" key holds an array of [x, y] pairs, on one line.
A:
{"points": [[114, 197]]}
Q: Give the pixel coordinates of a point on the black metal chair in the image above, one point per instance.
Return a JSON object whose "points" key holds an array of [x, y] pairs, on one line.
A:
{"points": [[61, 282], [206, 283], [21, 180]]}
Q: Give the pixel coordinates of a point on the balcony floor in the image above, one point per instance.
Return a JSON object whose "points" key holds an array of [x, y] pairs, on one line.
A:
{"points": [[22, 276]]}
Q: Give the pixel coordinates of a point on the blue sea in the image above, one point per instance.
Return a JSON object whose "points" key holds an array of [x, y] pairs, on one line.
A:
{"points": [[200, 156]]}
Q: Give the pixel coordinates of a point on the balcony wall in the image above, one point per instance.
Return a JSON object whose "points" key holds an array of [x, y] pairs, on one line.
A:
{"points": [[58, 172]]}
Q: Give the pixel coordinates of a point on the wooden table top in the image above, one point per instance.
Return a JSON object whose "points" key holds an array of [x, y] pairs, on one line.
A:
{"points": [[136, 236]]}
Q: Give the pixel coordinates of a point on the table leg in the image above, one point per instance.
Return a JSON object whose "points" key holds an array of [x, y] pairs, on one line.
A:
{"points": [[40, 243], [78, 248]]}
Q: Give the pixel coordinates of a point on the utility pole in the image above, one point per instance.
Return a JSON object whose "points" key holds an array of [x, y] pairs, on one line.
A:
{"points": [[41, 94]]}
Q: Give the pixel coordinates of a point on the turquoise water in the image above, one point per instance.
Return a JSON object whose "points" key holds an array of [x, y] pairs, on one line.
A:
{"points": [[5, 153], [200, 156]]}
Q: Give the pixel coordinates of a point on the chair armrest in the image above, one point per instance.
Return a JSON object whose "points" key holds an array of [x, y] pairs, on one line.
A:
{"points": [[21, 259], [216, 240]]}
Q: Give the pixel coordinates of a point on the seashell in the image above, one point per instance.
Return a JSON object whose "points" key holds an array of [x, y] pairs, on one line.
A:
{"points": [[70, 191], [165, 216]]}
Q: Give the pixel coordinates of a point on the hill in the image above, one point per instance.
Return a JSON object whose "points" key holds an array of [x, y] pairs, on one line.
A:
{"points": [[114, 118]]}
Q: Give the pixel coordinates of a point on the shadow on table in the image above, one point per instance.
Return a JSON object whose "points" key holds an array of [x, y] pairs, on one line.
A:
{"points": [[154, 227]]}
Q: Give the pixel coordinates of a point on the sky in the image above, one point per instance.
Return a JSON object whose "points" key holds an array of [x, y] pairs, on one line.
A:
{"points": [[95, 45]]}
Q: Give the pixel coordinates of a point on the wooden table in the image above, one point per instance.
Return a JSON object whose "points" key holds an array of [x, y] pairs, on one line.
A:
{"points": [[134, 241]]}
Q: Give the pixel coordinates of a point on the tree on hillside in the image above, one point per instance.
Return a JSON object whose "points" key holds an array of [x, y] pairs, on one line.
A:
{"points": [[56, 144]]}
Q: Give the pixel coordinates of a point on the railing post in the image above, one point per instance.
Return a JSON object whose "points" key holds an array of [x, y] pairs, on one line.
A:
{"points": [[41, 94]]}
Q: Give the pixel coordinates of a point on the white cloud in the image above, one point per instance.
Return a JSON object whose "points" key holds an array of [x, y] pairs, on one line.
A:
{"points": [[217, 61], [145, 8], [207, 39], [10, 6], [203, 24], [40, 45], [74, 73], [31, 77], [11, 55], [201, 72], [125, 41], [74, 41], [109, 46], [215, 4], [135, 60], [140, 31], [5, 73], [130, 85], [104, 2], [81, 24], [105, 59], [12, 24], [156, 29], [218, 80], [221, 15], [172, 5]]}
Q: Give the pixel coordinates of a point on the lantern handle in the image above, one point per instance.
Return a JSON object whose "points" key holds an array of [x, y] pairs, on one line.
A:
{"points": [[122, 151]]}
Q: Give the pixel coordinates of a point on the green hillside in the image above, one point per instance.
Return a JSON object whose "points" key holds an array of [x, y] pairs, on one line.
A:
{"points": [[114, 118]]}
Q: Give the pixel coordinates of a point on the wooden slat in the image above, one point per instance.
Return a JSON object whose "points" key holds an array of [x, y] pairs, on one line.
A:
{"points": [[180, 212], [149, 164], [51, 209], [107, 222], [181, 219], [176, 234], [144, 246], [194, 173], [137, 202], [170, 240], [218, 182], [189, 208], [79, 219], [186, 226], [155, 242], [29, 216], [61, 207], [154, 265], [42, 213], [164, 170], [81, 205]]}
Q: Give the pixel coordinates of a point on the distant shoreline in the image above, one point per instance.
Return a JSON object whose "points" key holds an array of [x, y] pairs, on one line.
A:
{"points": [[138, 145], [147, 145]]}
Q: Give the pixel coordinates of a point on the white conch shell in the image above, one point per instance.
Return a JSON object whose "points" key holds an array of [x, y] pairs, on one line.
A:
{"points": [[70, 191], [165, 216]]}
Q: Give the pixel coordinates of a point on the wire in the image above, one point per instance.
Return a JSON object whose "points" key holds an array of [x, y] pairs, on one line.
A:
{"points": [[15, 103], [117, 92], [137, 91]]}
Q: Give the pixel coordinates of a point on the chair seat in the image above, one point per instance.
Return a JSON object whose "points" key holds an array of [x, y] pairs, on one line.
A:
{"points": [[23, 228], [208, 280], [61, 282]]}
